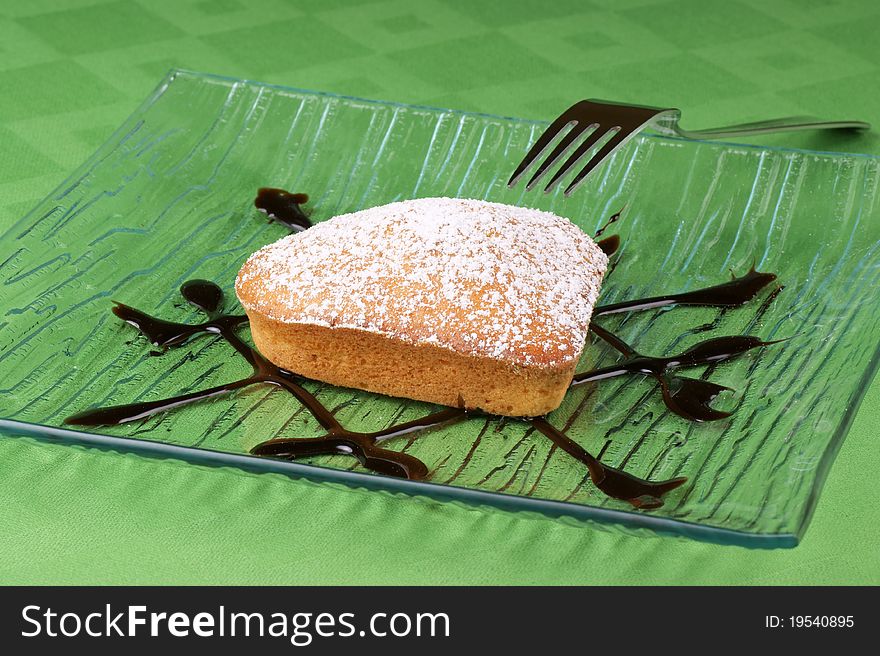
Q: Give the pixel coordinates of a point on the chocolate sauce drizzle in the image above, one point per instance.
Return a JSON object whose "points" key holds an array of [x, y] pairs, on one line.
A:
{"points": [[687, 397], [283, 207], [609, 245], [208, 297]]}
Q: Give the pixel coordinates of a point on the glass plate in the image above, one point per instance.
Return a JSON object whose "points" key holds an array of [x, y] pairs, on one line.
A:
{"points": [[169, 198]]}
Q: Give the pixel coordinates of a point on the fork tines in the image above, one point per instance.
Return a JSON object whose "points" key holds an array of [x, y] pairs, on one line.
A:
{"points": [[592, 123]]}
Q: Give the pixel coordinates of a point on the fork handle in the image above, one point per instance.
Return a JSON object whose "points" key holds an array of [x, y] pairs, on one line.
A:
{"points": [[786, 124]]}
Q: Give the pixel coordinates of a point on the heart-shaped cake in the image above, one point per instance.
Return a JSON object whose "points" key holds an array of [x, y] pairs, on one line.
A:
{"points": [[454, 301]]}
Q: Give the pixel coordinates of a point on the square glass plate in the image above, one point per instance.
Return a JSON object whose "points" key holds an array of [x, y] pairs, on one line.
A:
{"points": [[169, 198]]}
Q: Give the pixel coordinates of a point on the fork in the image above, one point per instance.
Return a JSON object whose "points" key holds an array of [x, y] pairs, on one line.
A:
{"points": [[617, 123]]}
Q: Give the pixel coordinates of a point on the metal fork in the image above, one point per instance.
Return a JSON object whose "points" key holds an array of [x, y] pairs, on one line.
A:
{"points": [[617, 123]]}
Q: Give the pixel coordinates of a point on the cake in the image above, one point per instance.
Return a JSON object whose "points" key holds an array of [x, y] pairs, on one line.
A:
{"points": [[453, 301]]}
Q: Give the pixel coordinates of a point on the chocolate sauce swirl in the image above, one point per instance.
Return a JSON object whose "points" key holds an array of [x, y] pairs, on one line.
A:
{"points": [[613, 482], [687, 397], [208, 297], [611, 243], [283, 207], [738, 291]]}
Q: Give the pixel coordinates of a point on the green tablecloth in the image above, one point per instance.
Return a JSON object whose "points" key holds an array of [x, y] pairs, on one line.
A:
{"points": [[70, 72]]}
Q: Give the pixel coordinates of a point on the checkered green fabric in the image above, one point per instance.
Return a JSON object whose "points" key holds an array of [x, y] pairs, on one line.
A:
{"points": [[71, 71]]}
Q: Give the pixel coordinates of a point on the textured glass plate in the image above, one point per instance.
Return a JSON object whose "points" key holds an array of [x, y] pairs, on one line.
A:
{"points": [[169, 198]]}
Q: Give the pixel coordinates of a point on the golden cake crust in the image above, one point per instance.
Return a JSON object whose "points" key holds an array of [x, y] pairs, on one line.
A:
{"points": [[489, 300], [365, 360]]}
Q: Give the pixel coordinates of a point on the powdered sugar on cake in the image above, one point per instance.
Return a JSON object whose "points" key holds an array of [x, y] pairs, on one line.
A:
{"points": [[480, 278]]}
